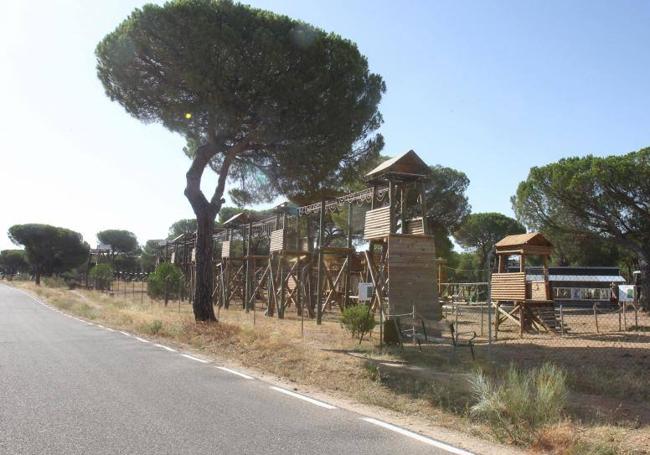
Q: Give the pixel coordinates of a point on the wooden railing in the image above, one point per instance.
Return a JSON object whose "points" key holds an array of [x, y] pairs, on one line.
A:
{"points": [[377, 223], [509, 286], [277, 240]]}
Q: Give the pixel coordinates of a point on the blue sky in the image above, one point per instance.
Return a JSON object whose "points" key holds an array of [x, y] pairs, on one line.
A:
{"points": [[489, 88]]}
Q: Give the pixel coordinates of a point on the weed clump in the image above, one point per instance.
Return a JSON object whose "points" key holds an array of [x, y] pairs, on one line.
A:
{"points": [[522, 403], [153, 327]]}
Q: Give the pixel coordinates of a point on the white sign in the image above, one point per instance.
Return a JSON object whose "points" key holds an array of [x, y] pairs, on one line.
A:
{"points": [[366, 290], [626, 293]]}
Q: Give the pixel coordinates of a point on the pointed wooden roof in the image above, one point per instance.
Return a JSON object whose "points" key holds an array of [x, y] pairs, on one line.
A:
{"points": [[238, 219], [407, 165], [532, 243]]}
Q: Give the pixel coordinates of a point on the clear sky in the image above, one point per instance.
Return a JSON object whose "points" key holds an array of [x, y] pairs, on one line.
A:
{"points": [[488, 87]]}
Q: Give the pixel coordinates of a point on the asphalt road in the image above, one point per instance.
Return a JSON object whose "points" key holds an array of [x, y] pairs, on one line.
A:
{"points": [[68, 387]]}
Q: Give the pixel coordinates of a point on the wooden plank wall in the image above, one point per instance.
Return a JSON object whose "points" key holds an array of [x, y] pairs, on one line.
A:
{"points": [[509, 286], [536, 290], [414, 226], [277, 240], [225, 249], [412, 275], [377, 223]]}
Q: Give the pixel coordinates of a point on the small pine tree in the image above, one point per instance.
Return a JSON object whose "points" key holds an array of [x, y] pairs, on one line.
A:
{"points": [[102, 276], [166, 282], [358, 319]]}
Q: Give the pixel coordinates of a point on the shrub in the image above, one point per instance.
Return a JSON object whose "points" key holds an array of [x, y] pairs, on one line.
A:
{"points": [[517, 407], [358, 319], [153, 327], [71, 278], [102, 276], [166, 282]]}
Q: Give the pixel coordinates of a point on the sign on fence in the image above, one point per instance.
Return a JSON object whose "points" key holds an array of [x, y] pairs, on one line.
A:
{"points": [[626, 293]]}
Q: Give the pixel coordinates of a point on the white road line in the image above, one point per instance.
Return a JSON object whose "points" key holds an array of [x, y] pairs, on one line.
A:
{"points": [[109, 329], [303, 397], [142, 340], [101, 326], [165, 347], [126, 333], [195, 358], [245, 376], [418, 437]]}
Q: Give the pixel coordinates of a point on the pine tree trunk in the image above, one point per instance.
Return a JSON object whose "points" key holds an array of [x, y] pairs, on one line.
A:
{"points": [[206, 213], [202, 302], [37, 277]]}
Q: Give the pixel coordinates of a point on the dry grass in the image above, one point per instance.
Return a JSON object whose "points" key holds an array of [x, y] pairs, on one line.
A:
{"points": [[432, 385]]}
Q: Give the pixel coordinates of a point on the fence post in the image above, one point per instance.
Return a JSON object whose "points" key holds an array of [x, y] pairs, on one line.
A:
{"points": [[562, 319], [489, 297], [381, 324], [596, 318]]}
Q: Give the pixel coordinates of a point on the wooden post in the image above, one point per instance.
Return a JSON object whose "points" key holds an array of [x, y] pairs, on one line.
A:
{"points": [[348, 269], [247, 289], [281, 256], [297, 233], [227, 266], [522, 263], [374, 197], [547, 286], [282, 303], [310, 274], [423, 206], [496, 320], [319, 281], [521, 319], [402, 200], [391, 205]]}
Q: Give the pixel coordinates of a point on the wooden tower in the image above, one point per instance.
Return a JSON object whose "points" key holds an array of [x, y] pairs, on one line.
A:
{"points": [[401, 257]]}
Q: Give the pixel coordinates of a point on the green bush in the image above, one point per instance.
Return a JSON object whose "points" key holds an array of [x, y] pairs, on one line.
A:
{"points": [[517, 407], [358, 319], [102, 276], [71, 278], [165, 282]]}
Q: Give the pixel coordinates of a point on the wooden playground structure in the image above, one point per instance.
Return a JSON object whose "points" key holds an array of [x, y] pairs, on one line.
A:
{"points": [[526, 303], [291, 261]]}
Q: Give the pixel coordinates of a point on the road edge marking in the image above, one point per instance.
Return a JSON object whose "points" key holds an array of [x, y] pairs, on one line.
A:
{"points": [[302, 397], [195, 358], [165, 347], [245, 376], [416, 436]]}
